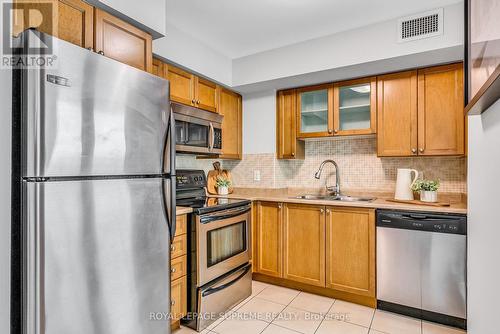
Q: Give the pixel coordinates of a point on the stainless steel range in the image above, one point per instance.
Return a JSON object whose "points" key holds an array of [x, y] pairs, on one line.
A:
{"points": [[219, 248]]}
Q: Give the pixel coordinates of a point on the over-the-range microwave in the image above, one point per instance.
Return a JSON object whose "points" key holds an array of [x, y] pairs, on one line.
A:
{"points": [[197, 131]]}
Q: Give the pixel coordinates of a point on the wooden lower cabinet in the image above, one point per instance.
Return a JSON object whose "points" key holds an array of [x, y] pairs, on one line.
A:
{"points": [[323, 250], [269, 239], [304, 244], [350, 250], [178, 271]]}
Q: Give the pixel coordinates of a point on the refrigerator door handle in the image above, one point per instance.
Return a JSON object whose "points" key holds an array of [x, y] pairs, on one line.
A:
{"points": [[170, 207]]}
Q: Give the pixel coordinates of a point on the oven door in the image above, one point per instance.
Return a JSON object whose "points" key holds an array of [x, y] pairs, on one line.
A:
{"points": [[196, 135], [223, 242]]}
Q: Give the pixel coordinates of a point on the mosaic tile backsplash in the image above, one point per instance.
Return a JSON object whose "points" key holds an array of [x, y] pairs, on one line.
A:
{"points": [[360, 168]]}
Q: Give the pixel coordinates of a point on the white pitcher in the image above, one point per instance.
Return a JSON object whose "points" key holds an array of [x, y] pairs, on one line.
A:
{"points": [[404, 183]]}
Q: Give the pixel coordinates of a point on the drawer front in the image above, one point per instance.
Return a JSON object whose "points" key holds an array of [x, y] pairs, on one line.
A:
{"points": [[179, 246], [178, 267], [178, 298], [181, 226]]}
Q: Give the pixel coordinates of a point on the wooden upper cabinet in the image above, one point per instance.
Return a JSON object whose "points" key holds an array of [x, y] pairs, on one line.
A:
{"points": [[397, 114], [122, 41], [205, 94], [355, 107], [441, 110], [269, 235], [230, 106], [315, 111], [159, 68], [181, 85], [304, 244], [350, 250], [72, 20], [288, 147]]}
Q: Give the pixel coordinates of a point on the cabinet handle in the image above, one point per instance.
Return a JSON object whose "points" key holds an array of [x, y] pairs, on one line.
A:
{"points": [[327, 211], [198, 102], [322, 210], [280, 206], [90, 49], [330, 131], [293, 154], [172, 248], [172, 270], [413, 150], [421, 150], [172, 302], [336, 131], [193, 101], [101, 53]]}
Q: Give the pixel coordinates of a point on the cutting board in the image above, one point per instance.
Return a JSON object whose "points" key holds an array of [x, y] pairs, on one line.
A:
{"points": [[417, 202], [212, 178]]}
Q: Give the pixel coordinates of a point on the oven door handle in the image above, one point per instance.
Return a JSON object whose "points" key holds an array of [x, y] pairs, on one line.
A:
{"points": [[225, 215], [225, 285]]}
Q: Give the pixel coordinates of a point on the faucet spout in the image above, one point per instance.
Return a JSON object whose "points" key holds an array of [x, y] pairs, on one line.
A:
{"points": [[336, 189]]}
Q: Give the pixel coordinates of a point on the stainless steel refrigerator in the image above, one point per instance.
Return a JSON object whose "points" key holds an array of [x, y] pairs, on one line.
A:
{"points": [[93, 196]]}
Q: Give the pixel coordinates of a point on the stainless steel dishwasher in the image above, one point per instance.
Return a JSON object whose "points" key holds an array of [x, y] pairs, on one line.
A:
{"points": [[421, 265]]}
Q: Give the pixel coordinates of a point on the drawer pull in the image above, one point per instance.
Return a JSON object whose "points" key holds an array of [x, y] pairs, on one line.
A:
{"points": [[172, 270]]}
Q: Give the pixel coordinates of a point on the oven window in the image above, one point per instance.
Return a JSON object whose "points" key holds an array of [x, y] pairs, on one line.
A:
{"points": [[226, 242]]}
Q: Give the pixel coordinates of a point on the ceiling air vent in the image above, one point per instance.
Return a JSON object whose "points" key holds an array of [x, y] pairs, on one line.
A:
{"points": [[419, 26]]}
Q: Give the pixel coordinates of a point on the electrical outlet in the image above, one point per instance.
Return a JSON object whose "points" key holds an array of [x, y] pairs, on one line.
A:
{"points": [[256, 175]]}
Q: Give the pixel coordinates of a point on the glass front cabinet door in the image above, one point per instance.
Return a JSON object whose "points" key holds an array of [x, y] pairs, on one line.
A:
{"points": [[355, 104], [315, 111]]}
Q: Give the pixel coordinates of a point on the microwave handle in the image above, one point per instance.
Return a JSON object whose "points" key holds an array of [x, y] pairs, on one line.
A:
{"points": [[211, 142], [226, 285]]}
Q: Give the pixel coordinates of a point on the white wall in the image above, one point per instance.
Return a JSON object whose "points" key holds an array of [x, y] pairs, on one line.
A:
{"points": [[259, 122], [5, 166], [483, 222], [370, 43], [152, 14], [189, 52]]}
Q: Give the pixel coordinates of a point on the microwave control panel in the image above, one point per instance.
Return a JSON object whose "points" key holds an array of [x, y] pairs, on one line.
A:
{"points": [[218, 138]]}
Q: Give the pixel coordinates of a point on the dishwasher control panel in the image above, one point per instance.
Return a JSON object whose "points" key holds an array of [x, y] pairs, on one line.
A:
{"points": [[421, 221]]}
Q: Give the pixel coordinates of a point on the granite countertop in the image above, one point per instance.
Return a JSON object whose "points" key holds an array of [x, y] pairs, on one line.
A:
{"points": [[181, 210], [458, 201]]}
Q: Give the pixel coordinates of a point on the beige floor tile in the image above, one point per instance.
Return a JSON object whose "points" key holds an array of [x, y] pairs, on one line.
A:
{"points": [[340, 327], [237, 326], [240, 304], [298, 320], [312, 303], [353, 313], [278, 294], [372, 331], [187, 330], [432, 328], [273, 329], [257, 287], [395, 324], [260, 309], [218, 321]]}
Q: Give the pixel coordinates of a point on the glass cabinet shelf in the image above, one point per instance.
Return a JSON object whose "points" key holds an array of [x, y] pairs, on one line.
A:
{"points": [[313, 109]]}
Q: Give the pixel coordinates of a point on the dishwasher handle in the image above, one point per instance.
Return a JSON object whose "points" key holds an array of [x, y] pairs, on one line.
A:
{"points": [[423, 221]]}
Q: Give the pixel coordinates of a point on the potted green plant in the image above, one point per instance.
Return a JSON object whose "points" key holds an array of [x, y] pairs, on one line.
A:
{"points": [[428, 190], [222, 185]]}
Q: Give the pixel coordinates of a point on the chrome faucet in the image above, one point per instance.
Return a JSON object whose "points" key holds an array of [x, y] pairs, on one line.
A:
{"points": [[333, 190]]}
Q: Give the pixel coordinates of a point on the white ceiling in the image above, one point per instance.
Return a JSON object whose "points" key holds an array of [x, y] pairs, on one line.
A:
{"points": [[237, 28]]}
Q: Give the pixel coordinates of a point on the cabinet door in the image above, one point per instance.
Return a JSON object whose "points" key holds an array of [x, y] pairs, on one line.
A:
{"points": [[122, 41], [441, 110], [304, 244], [230, 108], [269, 237], [355, 107], [159, 68], [315, 111], [288, 147], [72, 21], [397, 114], [350, 244], [206, 94], [178, 298], [181, 86]]}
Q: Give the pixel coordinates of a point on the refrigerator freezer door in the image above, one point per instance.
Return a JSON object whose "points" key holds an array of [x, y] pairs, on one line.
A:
{"points": [[97, 257], [91, 115]]}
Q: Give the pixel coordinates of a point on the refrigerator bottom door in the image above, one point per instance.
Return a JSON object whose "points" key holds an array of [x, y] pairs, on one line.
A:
{"points": [[96, 257]]}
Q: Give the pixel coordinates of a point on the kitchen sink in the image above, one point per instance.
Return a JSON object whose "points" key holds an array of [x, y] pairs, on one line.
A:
{"points": [[342, 198]]}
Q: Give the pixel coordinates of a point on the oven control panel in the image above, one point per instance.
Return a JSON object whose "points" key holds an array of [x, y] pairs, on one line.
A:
{"points": [[190, 179]]}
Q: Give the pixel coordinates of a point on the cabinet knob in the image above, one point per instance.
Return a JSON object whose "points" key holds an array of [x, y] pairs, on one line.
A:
{"points": [[172, 270], [90, 49], [327, 211], [413, 150], [421, 150], [193, 101], [101, 53], [336, 131], [322, 210], [293, 154], [280, 206], [198, 102], [330, 131], [172, 248], [172, 302]]}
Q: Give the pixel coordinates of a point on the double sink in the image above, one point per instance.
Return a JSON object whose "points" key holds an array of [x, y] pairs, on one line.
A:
{"points": [[342, 198]]}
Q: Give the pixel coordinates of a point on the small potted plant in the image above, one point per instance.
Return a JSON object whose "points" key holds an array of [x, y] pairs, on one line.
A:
{"points": [[428, 190], [222, 185]]}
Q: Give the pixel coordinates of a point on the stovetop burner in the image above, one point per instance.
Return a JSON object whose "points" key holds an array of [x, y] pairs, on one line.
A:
{"points": [[191, 193]]}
